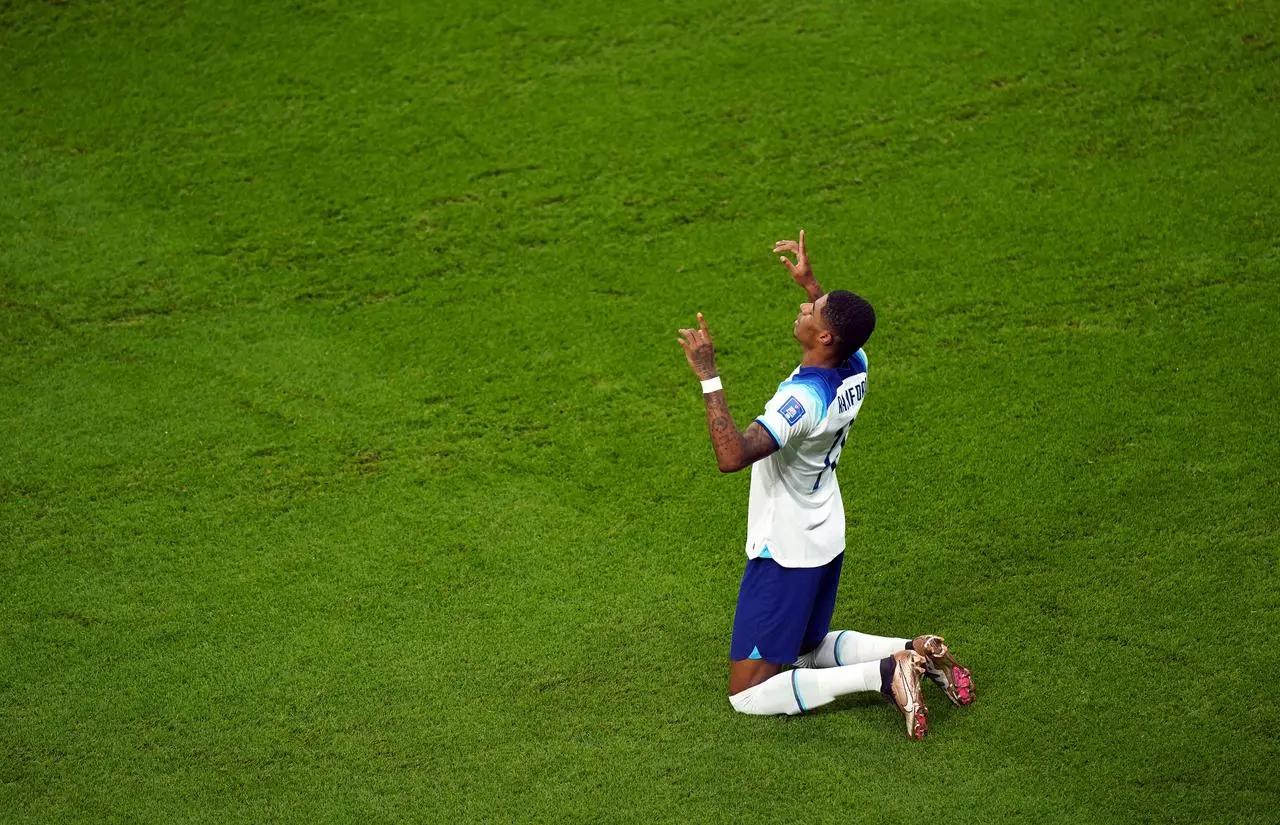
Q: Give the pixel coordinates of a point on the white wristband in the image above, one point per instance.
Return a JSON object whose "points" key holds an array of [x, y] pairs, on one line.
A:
{"points": [[712, 385]]}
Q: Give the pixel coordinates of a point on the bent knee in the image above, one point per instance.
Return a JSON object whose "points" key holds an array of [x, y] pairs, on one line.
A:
{"points": [[769, 698]]}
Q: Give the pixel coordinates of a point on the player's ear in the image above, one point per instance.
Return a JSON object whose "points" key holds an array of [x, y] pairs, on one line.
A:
{"points": [[826, 338]]}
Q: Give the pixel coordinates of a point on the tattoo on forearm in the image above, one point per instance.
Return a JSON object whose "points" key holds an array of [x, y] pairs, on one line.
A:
{"points": [[725, 437]]}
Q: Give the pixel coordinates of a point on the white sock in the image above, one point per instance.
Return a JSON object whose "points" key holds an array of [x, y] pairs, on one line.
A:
{"points": [[849, 647], [802, 689]]}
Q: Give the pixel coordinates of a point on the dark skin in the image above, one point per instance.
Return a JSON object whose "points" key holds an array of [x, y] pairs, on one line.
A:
{"points": [[736, 449]]}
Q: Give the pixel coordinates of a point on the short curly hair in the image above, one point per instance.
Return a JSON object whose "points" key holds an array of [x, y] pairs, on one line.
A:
{"points": [[850, 319]]}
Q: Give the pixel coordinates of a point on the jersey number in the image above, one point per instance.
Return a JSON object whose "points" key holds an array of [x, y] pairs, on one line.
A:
{"points": [[832, 459]]}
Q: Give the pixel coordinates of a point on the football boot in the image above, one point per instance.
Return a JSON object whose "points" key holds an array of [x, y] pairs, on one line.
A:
{"points": [[903, 689], [939, 665]]}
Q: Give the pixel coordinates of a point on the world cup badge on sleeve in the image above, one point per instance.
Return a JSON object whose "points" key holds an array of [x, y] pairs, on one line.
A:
{"points": [[793, 410]]}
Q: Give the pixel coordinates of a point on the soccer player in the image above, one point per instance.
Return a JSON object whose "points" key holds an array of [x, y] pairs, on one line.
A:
{"points": [[796, 528]]}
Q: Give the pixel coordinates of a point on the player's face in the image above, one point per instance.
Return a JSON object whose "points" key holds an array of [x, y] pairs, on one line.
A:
{"points": [[809, 323]]}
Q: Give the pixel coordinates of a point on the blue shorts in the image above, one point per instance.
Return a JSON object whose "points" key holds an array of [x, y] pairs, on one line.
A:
{"points": [[783, 611]]}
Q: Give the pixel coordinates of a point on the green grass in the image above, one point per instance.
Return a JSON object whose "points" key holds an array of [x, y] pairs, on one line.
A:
{"points": [[350, 470]]}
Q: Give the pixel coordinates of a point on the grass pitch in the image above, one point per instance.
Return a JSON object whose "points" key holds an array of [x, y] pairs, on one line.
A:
{"points": [[350, 470]]}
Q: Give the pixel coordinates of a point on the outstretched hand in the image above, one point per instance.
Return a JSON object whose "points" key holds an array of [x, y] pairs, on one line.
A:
{"points": [[800, 271], [698, 350]]}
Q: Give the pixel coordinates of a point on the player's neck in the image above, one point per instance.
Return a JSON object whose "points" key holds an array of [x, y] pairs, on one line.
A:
{"points": [[819, 357]]}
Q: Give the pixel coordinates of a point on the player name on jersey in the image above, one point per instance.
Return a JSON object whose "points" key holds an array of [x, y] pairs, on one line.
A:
{"points": [[846, 399]]}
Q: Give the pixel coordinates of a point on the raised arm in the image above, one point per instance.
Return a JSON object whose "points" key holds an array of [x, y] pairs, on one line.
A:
{"points": [[734, 448], [801, 271]]}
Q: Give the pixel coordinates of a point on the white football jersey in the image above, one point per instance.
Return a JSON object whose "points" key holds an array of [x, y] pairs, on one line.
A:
{"points": [[796, 515]]}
